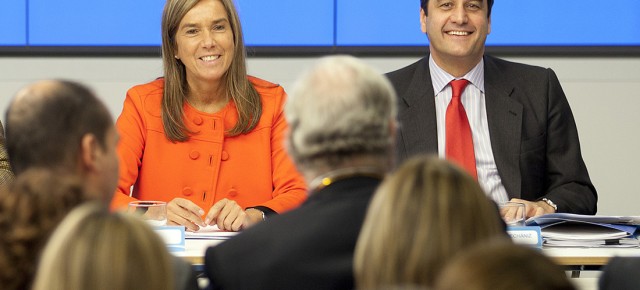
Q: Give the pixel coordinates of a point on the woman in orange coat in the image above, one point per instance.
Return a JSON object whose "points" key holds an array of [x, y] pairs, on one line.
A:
{"points": [[206, 138]]}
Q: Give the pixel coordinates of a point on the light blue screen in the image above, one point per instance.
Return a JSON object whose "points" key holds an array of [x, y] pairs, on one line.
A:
{"points": [[513, 23], [319, 23], [95, 22], [287, 22], [13, 30]]}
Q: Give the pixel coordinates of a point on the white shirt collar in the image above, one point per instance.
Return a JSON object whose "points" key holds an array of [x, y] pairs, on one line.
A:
{"points": [[475, 76]]}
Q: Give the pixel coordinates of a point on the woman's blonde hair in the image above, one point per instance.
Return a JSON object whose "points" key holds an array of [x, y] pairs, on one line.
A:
{"points": [[95, 249], [418, 219], [237, 86]]}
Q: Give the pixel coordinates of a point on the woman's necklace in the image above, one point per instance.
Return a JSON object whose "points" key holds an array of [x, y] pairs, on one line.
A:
{"points": [[330, 177]]}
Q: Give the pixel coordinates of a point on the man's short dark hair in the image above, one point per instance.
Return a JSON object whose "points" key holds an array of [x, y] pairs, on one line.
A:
{"points": [[46, 124], [423, 5]]}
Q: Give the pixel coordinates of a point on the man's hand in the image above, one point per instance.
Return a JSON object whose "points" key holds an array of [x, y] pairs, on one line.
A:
{"points": [[535, 208], [184, 212]]}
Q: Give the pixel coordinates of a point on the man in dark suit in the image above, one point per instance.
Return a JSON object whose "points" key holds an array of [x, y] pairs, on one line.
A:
{"points": [[524, 136], [342, 120]]}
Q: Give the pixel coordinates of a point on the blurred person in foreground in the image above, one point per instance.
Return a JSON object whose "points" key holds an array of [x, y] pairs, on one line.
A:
{"points": [[206, 138], [98, 250], [342, 116], [6, 175], [30, 209], [61, 126], [508, 124], [62, 146], [503, 265], [421, 216], [620, 274]]}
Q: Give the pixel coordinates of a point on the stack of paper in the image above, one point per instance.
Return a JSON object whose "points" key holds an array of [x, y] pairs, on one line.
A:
{"points": [[211, 233], [572, 230]]}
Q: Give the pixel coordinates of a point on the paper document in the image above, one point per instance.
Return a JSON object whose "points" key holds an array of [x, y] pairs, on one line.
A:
{"points": [[210, 232], [600, 219], [573, 230]]}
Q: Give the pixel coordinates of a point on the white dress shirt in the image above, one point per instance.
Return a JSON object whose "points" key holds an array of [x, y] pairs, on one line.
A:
{"points": [[473, 100]]}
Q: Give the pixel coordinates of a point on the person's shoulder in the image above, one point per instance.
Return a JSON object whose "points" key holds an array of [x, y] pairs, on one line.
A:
{"points": [[510, 66], [153, 87], [272, 94], [148, 96], [261, 84], [409, 70], [402, 78]]}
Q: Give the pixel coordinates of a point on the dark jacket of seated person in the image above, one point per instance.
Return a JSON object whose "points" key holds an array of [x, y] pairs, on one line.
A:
{"points": [[619, 274], [342, 114]]}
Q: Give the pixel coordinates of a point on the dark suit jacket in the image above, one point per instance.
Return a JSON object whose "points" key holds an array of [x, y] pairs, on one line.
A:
{"points": [[533, 133], [620, 274], [308, 248]]}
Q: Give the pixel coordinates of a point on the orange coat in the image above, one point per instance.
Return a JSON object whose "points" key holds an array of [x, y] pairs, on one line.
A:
{"points": [[252, 169]]}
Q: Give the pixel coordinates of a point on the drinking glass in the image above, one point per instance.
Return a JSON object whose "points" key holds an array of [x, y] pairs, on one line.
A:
{"points": [[154, 212]]}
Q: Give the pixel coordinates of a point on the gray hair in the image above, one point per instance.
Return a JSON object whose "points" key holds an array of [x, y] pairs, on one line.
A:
{"points": [[338, 110]]}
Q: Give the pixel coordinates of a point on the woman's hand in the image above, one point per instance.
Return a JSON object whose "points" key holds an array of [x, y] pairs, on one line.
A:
{"points": [[228, 215], [184, 212]]}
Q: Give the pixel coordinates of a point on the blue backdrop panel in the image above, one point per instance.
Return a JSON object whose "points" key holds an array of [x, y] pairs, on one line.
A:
{"points": [[318, 23], [287, 22], [514, 23], [95, 22], [13, 17]]}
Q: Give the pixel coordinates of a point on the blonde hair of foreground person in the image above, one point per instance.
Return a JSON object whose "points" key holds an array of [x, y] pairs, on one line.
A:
{"points": [[98, 250], [419, 218], [502, 266]]}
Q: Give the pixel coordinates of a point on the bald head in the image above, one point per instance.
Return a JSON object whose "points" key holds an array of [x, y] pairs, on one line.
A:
{"points": [[46, 122]]}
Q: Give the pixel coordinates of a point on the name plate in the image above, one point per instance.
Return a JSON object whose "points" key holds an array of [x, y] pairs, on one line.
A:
{"points": [[173, 237], [529, 235]]}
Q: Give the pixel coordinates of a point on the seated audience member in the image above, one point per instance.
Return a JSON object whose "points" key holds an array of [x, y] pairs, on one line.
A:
{"points": [[619, 274], [6, 176], [503, 265], [61, 143], [98, 250], [30, 209], [62, 126], [419, 218], [342, 119]]}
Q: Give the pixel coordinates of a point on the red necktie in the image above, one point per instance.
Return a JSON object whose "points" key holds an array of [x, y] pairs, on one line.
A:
{"points": [[459, 142]]}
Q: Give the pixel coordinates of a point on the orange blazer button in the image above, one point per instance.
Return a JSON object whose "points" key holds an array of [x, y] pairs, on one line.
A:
{"points": [[194, 154], [225, 156], [187, 191], [232, 192], [197, 120]]}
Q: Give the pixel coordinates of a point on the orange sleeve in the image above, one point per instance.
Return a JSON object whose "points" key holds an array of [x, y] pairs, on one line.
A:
{"points": [[131, 127], [289, 189]]}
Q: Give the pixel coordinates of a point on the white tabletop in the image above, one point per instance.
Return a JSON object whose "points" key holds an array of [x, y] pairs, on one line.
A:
{"points": [[587, 256], [195, 249]]}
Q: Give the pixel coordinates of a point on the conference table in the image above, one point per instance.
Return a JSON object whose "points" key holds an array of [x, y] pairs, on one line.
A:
{"points": [[575, 259]]}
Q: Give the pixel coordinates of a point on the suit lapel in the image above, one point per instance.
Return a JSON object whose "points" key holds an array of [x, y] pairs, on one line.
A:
{"points": [[504, 117], [418, 113]]}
